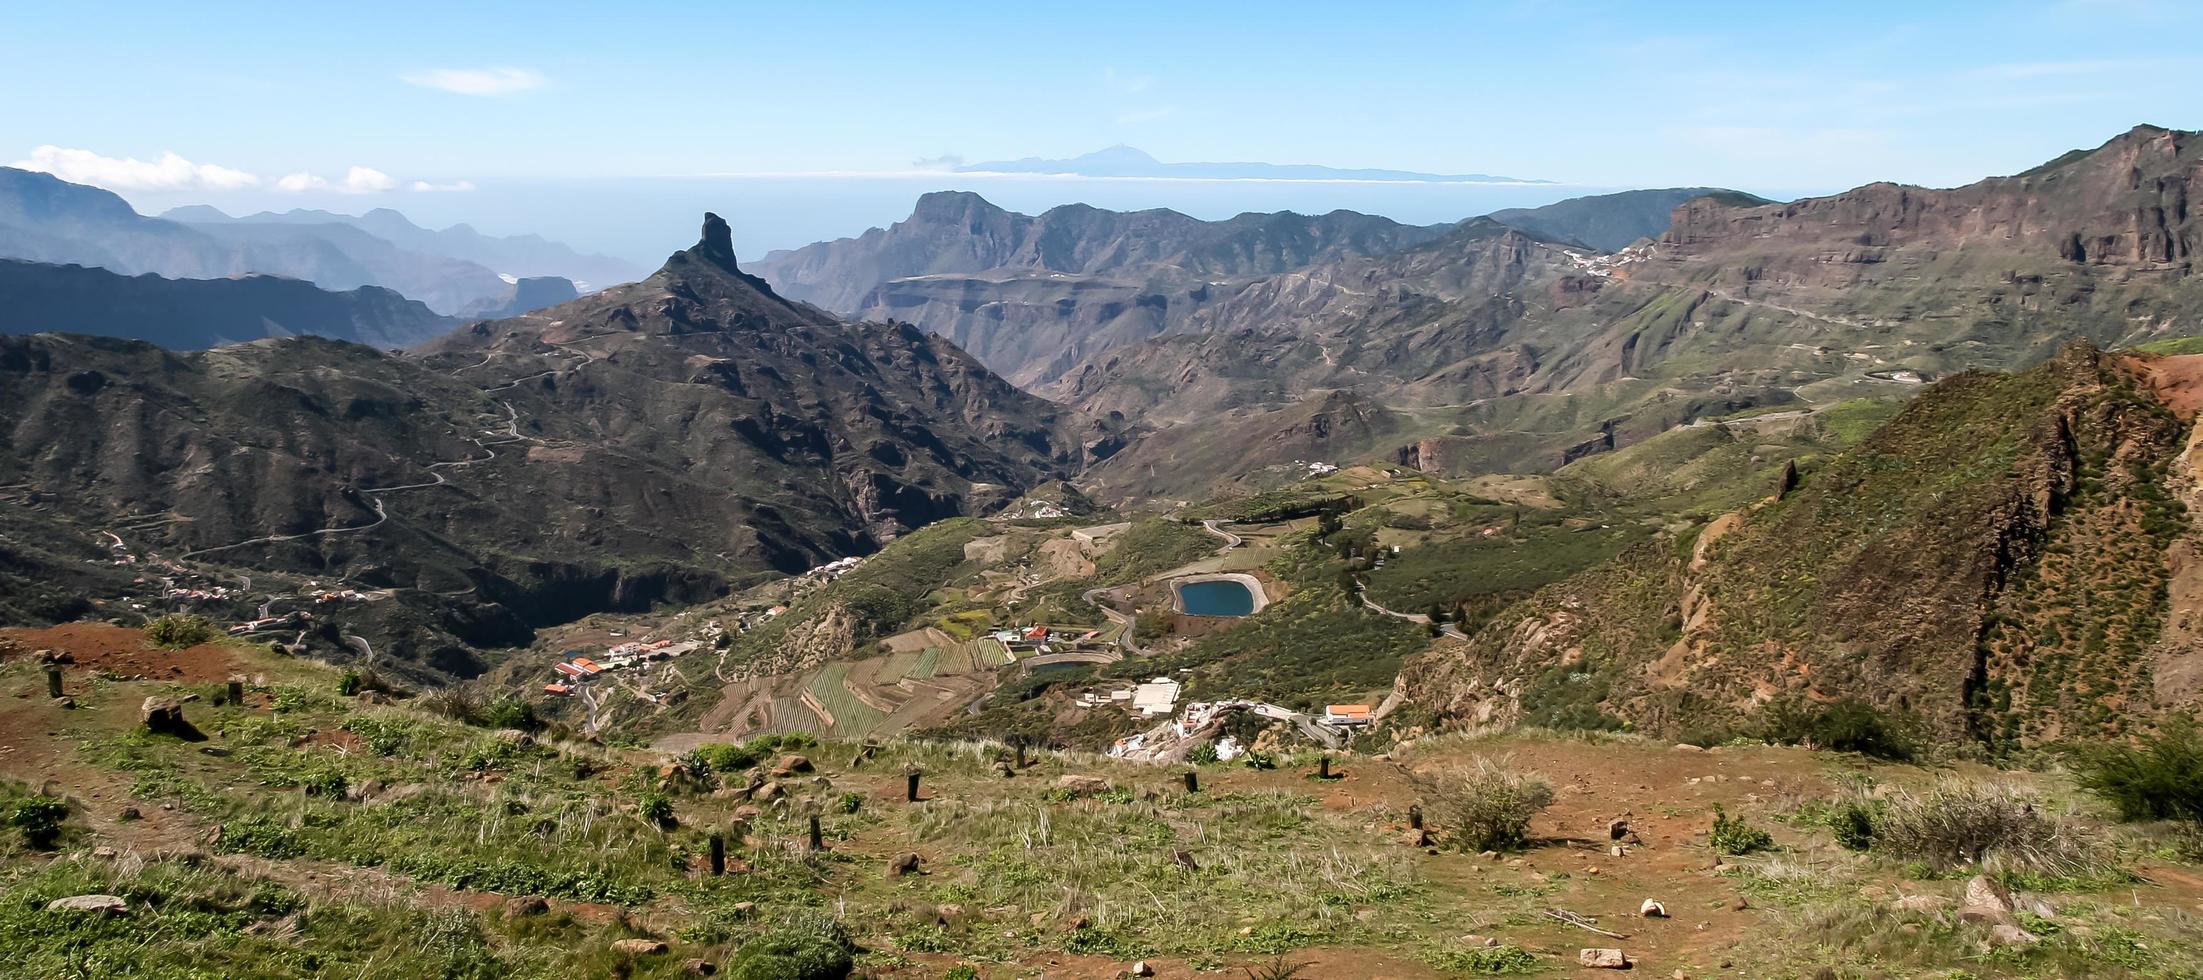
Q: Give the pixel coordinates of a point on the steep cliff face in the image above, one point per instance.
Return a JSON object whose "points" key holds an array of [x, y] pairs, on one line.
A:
{"points": [[1995, 564], [1031, 294], [2123, 207], [1387, 321]]}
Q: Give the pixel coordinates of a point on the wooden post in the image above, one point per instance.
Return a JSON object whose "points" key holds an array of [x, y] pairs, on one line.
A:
{"points": [[818, 841], [53, 682], [912, 795], [236, 692], [1193, 781], [1020, 746], [1415, 816], [1323, 767], [718, 854]]}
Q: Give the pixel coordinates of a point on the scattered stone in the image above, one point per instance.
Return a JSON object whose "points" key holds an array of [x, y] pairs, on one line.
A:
{"points": [[164, 716], [1922, 904], [1184, 859], [1617, 851], [1141, 969], [1416, 838], [744, 909], [525, 906], [513, 737], [104, 853], [1004, 770], [1617, 828], [129, 813], [99, 904], [1652, 910], [1489, 855], [793, 764], [1602, 959], [1476, 940], [1738, 904], [1687, 747], [1082, 785], [772, 790], [903, 864], [638, 947], [1987, 901], [2007, 934], [699, 968]]}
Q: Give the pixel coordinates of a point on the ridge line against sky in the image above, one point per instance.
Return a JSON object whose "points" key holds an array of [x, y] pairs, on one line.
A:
{"points": [[509, 115]]}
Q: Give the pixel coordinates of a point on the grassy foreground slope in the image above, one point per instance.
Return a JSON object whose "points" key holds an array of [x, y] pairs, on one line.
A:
{"points": [[310, 832]]}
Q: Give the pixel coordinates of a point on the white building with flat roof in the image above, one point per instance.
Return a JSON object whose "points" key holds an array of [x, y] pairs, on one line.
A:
{"points": [[1156, 697]]}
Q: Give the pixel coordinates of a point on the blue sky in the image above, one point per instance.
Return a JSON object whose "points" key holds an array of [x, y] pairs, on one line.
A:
{"points": [[1791, 98]]}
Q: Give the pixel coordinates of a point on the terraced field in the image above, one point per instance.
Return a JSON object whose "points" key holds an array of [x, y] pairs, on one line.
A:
{"points": [[852, 716]]}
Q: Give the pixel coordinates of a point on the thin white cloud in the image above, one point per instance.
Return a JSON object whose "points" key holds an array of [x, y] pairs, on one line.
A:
{"points": [[168, 173], [427, 187], [476, 81], [357, 180]]}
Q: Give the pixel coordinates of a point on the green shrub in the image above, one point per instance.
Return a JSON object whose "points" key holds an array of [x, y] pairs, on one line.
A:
{"points": [[1845, 726], [725, 758], [1852, 821], [177, 631], [1731, 835], [39, 820], [655, 807], [811, 945], [1486, 960], [1203, 754], [1486, 807], [849, 803], [2160, 777], [510, 711], [1258, 760]]}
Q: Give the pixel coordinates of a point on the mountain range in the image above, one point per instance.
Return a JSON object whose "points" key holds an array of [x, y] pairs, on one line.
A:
{"points": [[1500, 350], [188, 314], [46, 219], [653, 441], [519, 256]]}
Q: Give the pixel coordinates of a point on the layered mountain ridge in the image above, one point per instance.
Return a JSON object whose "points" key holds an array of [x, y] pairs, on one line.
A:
{"points": [[654, 441]]}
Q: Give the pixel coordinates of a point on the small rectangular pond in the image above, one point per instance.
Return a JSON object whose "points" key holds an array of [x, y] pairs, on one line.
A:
{"points": [[1215, 597]]}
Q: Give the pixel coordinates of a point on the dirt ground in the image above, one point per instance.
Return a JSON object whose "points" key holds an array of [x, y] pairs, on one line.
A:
{"points": [[121, 652]]}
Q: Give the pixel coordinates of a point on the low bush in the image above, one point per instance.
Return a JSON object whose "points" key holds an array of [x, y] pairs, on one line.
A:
{"points": [[1845, 726], [1852, 822], [1732, 835], [2159, 777], [1961, 822], [810, 946], [38, 819], [725, 758], [1486, 807], [1487, 960], [180, 630]]}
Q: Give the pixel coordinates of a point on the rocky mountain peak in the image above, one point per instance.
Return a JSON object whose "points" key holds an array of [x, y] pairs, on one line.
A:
{"points": [[717, 244]]}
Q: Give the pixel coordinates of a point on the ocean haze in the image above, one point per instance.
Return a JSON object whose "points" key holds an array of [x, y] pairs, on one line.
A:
{"points": [[632, 217]]}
